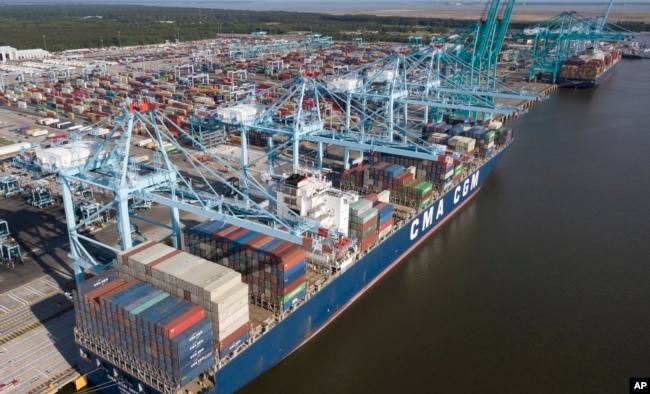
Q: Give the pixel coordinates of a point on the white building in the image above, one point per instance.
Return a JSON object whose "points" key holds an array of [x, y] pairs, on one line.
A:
{"points": [[9, 53]]}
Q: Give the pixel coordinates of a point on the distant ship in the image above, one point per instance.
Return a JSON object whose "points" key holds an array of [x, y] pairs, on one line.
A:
{"points": [[591, 69]]}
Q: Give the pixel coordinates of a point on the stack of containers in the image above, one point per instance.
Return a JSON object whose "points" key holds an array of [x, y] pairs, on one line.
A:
{"points": [[439, 172], [457, 129], [391, 172], [275, 270], [415, 193], [363, 223], [381, 175], [439, 138], [170, 336], [503, 136], [401, 180], [465, 145], [217, 289], [431, 128], [352, 178], [454, 118], [484, 140], [421, 194], [459, 166], [385, 217], [376, 174], [443, 172]]}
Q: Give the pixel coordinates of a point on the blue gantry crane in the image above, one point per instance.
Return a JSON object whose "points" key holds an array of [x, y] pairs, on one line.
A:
{"points": [[110, 167]]}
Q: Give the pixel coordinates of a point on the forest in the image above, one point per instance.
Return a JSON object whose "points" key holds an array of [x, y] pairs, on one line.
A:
{"points": [[70, 26]]}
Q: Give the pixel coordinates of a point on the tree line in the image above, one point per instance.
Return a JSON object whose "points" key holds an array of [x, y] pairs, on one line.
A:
{"points": [[57, 27]]}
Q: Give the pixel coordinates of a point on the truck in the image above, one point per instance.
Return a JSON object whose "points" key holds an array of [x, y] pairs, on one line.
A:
{"points": [[58, 137], [47, 121], [64, 125]]}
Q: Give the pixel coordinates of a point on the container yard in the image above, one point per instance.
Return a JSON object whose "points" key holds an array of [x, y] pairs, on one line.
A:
{"points": [[305, 179]]}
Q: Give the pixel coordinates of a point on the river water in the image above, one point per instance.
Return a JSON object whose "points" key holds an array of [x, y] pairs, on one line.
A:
{"points": [[542, 283]]}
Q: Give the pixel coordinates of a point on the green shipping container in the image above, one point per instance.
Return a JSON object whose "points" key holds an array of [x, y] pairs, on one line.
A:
{"points": [[408, 186], [294, 293], [423, 188], [426, 202], [459, 169]]}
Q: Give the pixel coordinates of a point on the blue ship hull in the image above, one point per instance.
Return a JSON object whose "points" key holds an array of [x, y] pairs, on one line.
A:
{"points": [[324, 306]]}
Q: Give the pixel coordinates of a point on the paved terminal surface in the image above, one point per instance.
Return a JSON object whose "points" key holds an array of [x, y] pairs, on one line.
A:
{"points": [[37, 346]]}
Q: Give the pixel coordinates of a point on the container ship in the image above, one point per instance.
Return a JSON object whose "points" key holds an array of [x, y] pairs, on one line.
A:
{"points": [[233, 303], [590, 69]]}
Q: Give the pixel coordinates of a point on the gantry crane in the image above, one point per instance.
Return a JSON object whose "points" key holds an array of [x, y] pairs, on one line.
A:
{"points": [[109, 167], [9, 249], [17, 75], [479, 45], [566, 35]]}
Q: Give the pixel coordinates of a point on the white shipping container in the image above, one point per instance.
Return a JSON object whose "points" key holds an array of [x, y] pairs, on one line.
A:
{"points": [[14, 148], [39, 133], [143, 142], [176, 265], [230, 298], [384, 196], [99, 132], [231, 326]]}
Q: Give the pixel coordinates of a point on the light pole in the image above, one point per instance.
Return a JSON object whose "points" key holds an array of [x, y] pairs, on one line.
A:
{"points": [[44, 44]]}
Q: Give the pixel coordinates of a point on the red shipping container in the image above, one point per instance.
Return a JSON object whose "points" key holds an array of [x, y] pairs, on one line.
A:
{"points": [[259, 241], [222, 233], [307, 242], [91, 295], [227, 341], [385, 225], [116, 290], [235, 235], [183, 322], [288, 288], [292, 261]]}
